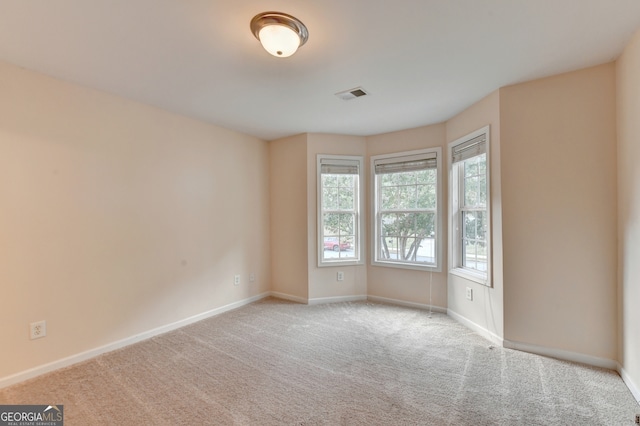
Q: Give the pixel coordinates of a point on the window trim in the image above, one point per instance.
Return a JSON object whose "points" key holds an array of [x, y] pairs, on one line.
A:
{"points": [[389, 158], [359, 235], [455, 240]]}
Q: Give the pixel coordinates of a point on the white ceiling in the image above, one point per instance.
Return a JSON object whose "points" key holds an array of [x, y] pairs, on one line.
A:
{"points": [[422, 61]]}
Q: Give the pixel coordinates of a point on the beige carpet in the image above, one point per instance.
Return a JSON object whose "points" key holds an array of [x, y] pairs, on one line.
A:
{"points": [[275, 362]]}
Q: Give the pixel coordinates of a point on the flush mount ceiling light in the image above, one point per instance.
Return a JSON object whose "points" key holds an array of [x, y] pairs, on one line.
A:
{"points": [[279, 33]]}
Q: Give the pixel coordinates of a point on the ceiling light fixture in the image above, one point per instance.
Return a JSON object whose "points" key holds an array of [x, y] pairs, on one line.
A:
{"points": [[279, 33]]}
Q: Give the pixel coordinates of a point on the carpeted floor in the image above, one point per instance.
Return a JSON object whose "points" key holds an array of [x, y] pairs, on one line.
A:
{"points": [[280, 363]]}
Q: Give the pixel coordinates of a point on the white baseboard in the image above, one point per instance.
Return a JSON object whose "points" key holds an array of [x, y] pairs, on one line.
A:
{"points": [[318, 300], [92, 353], [487, 334], [323, 300], [562, 355], [289, 297], [407, 304], [635, 390]]}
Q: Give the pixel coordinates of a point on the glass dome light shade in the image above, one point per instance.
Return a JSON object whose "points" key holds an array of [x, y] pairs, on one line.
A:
{"points": [[279, 40]]}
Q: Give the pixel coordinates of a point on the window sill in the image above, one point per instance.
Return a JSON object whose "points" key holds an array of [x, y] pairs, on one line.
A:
{"points": [[336, 263], [405, 266], [471, 276]]}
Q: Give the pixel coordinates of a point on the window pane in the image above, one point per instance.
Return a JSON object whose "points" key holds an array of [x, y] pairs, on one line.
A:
{"points": [[347, 242], [406, 197], [339, 240], [331, 223], [408, 237], [475, 256], [481, 225], [330, 198], [406, 178], [332, 243], [482, 191], [388, 198], [469, 224], [346, 181], [426, 197], [388, 179], [347, 223], [339, 248], [409, 248], [346, 199], [481, 262], [470, 191], [404, 224], [336, 224], [427, 251], [387, 224], [396, 225], [329, 180], [482, 164], [388, 248], [471, 167], [426, 176], [425, 224], [469, 254]]}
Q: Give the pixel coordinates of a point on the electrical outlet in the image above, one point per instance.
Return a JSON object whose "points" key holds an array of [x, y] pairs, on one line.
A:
{"points": [[252, 277], [236, 280], [638, 419], [469, 293], [340, 276], [38, 329]]}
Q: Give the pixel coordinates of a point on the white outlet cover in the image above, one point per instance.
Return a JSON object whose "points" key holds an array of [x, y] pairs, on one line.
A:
{"points": [[236, 280], [38, 329]]}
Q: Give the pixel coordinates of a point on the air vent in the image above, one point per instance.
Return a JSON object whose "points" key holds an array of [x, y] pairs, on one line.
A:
{"points": [[347, 95]]}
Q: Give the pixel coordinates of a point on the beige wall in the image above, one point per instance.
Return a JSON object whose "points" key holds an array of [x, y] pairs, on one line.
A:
{"points": [[404, 284], [289, 241], [117, 218], [294, 254], [323, 282], [628, 126], [487, 307], [558, 162]]}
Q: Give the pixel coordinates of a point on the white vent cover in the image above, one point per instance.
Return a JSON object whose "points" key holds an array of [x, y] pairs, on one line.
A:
{"points": [[347, 95]]}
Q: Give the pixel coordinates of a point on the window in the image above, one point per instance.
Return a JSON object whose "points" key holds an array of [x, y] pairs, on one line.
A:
{"points": [[339, 207], [470, 218], [406, 209]]}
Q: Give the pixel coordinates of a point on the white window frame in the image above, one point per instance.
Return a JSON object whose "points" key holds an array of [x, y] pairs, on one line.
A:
{"points": [[456, 197], [375, 221], [358, 258]]}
